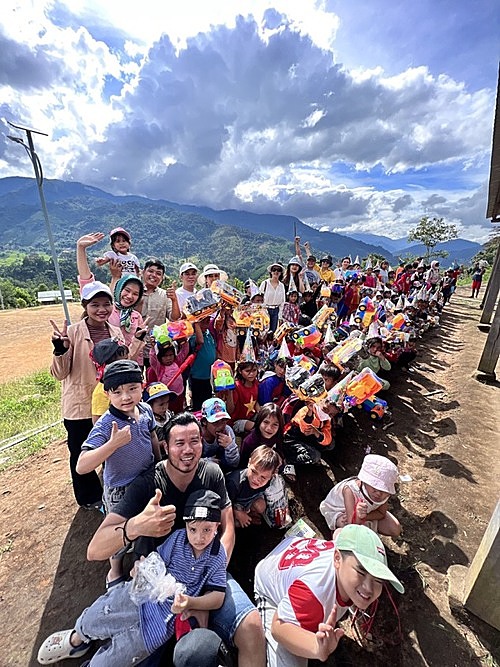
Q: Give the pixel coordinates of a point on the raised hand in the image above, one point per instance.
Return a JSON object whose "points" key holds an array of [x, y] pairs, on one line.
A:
{"points": [[327, 636], [91, 239], [141, 332], [119, 436], [60, 334], [171, 290]]}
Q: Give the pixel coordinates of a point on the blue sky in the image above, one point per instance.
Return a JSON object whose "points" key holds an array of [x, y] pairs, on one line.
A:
{"points": [[353, 116]]}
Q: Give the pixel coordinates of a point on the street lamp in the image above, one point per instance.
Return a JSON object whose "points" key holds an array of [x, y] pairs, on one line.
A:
{"points": [[37, 166]]}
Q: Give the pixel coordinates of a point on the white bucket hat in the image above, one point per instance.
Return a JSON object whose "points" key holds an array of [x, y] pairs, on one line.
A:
{"points": [[208, 270], [379, 472]]}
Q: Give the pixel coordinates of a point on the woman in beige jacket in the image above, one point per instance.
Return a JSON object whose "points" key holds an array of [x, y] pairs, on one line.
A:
{"points": [[72, 365]]}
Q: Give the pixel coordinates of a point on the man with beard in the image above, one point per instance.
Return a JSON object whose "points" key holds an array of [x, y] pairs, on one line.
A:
{"points": [[153, 506]]}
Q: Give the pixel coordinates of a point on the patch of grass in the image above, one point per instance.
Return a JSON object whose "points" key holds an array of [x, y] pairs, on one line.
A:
{"points": [[25, 406]]}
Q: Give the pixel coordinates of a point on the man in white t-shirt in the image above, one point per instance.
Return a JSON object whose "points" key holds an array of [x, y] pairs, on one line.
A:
{"points": [[304, 586], [188, 274]]}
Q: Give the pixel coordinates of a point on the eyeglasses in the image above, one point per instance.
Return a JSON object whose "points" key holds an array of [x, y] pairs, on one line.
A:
{"points": [[276, 270]]}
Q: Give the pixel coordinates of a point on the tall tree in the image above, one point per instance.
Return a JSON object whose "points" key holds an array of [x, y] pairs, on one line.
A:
{"points": [[430, 232]]}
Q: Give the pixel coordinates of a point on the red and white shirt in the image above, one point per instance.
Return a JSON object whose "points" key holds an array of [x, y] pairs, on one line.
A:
{"points": [[298, 578]]}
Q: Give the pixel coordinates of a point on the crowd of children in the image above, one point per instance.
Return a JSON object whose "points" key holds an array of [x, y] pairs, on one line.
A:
{"points": [[269, 374]]}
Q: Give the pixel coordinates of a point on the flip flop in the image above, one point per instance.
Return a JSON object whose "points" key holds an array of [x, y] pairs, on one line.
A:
{"points": [[58, 647], [115, 582]]}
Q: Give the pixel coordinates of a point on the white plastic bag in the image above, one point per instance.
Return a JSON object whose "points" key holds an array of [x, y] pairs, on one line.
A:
{"points": [[152, 582]]}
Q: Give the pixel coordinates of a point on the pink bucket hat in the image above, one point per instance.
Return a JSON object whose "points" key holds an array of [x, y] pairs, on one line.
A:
{"points": [[379, 472]]}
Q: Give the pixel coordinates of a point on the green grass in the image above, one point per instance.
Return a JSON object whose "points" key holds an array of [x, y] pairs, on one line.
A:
{"points": [[25, 405]]}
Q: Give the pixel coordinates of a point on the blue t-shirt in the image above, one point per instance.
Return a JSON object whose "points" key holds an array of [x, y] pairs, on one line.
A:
{"points": [[129, 461], [199, 575]]}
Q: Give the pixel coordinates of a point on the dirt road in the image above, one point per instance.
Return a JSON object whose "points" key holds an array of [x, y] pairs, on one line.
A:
{"points": [[444, 436]]}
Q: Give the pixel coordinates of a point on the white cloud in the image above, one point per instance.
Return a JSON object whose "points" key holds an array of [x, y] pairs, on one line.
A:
{"points": [[249, 112]]}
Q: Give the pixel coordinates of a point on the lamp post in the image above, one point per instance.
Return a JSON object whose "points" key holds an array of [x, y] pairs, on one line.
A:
{"points": [[37, 166]]}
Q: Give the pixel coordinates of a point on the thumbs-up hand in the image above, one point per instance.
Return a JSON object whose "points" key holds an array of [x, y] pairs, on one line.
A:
{"points": [[327, 637], [119, 436], [171, 290], [155, 520]]}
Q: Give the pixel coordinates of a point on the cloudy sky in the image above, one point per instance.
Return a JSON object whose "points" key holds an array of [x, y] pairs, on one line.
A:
{"points": [[353, 116]]}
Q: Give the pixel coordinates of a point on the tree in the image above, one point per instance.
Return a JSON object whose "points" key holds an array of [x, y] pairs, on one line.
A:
{"points": [[489, 249], [429, 232]]}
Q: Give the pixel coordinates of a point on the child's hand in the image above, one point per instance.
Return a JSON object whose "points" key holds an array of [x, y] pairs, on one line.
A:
{"points": [[243, 518], [119, 436], [60, 334], [180, 603], [327, 636], [224, 440], [134, 570], [361, 510], [91, 239], [101, 261]]}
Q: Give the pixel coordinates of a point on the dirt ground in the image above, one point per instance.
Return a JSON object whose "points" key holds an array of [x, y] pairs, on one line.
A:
{"points": [[443, 433], [29, 327]]}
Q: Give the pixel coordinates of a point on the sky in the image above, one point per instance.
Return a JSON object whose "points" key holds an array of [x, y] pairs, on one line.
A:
{"points": [[357, 115]]}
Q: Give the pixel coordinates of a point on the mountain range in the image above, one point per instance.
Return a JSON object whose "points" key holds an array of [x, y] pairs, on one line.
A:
{"points": [[241, 242]]}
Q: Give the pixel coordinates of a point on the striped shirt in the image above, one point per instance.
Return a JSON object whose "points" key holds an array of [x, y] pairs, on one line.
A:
{"points": [[127, 462], [199, 575]]}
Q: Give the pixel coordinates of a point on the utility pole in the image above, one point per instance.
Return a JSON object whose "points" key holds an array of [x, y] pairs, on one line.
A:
{"points": [[37, 167]]}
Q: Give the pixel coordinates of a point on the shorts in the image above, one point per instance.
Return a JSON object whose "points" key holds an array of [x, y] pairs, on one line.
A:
{"points": [[276, 655], [237, 605], [111, 497]]}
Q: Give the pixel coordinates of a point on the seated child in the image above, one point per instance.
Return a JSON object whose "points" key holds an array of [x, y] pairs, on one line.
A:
{"points": [[309, 434], [304, 586], [158, 396], [218, 439], [124, 437], [194, 556], [246, 487], [267, 430], [272, 386], [103, 353], [376, 359], [363, 499], [164, 362], [330, 374]]}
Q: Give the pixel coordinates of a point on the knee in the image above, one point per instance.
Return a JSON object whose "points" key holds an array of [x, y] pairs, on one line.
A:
{"points": [[259, 506], [249, 635]]}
